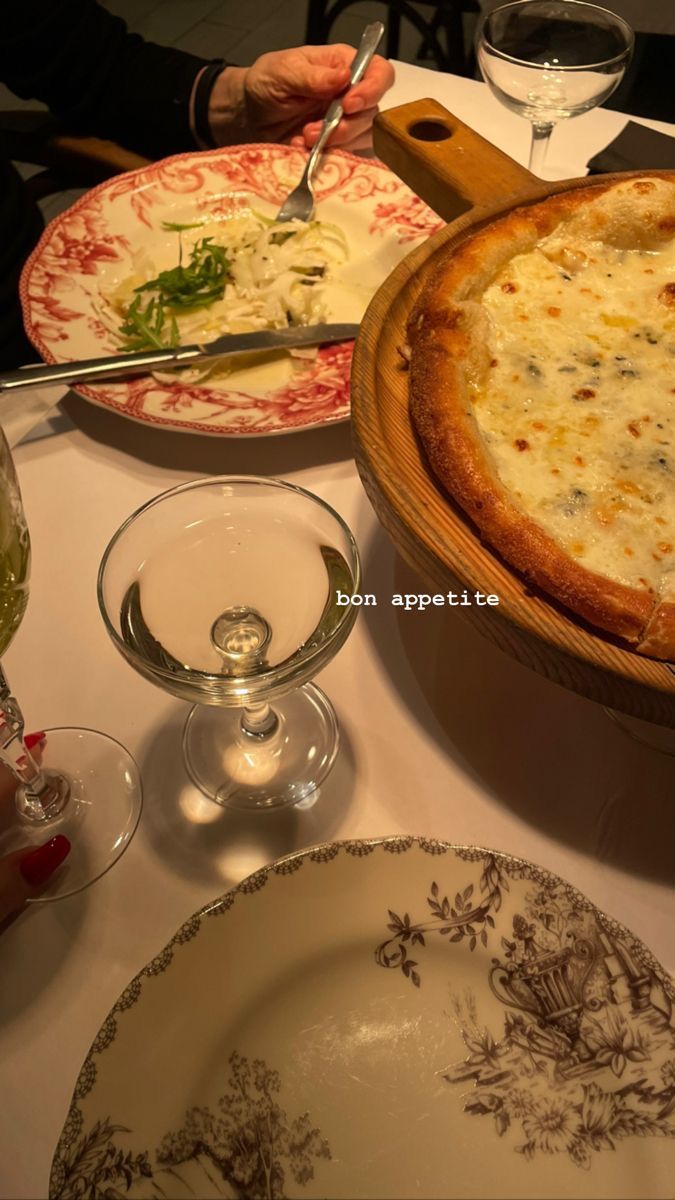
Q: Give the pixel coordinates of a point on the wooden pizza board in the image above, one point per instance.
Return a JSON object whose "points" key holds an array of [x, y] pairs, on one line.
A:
{"points": [[469, 182]]}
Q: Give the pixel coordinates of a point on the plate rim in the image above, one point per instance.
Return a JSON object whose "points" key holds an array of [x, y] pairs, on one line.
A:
{"points": [[320, 853]]}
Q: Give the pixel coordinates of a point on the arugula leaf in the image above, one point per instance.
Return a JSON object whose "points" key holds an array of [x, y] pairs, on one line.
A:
{"points": [[175, 227], [143, 329], [200, 282], [179, 289], [278, 239]]}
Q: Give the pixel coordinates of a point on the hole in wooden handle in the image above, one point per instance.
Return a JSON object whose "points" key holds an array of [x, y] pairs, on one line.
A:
{"points": [[430, 131]]}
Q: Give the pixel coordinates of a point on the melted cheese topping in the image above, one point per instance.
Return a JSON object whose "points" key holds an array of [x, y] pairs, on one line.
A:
{"points": [[578, 407]]}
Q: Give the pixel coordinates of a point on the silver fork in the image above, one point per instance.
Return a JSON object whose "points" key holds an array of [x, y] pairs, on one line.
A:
{"points": [[299, 205]]}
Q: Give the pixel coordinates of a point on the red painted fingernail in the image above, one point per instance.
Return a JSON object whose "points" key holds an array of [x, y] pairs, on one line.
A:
{"points": [[37, 866], [34, 739]]}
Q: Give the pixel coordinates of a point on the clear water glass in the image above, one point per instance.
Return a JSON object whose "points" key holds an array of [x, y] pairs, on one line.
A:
{"points": [[549, 60], [233, 593]]}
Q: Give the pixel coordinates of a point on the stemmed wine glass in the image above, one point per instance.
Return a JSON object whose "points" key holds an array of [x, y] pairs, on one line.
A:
{"points": [[87, 786], [548, 60], [232, 593]]}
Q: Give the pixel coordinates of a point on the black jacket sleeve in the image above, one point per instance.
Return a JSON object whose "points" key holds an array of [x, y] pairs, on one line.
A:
{"points": [[83, 63]]}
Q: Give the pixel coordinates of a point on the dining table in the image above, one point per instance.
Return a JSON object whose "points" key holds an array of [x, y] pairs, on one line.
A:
{"points": [[442, 734]]}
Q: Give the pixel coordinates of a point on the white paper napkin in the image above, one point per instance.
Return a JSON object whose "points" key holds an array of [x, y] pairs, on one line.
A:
{"points": [[22, 411]]}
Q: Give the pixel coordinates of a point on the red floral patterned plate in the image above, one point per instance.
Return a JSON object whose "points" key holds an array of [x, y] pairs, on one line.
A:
{"points": [[94, 241]]}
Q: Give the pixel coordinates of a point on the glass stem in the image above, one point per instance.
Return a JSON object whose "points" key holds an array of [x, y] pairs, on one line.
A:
{"points": [[259, 720], [39, 797], [541, 136]]}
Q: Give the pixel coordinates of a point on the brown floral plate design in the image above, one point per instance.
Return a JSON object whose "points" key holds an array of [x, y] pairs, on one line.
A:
{"points": [[387, 1018]]}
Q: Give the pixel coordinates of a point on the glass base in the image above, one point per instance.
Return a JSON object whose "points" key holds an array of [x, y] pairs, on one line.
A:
{"points": [[99, 816], [240, 770], [658, 737]]}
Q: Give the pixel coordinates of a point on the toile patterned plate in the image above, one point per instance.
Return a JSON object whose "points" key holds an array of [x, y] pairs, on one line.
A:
{"points": [[92, 244], [388, 1018]]}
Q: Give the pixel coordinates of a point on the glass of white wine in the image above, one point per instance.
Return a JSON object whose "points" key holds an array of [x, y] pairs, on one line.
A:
{"points": [[226, 592], [86, 786], [548, 60]]}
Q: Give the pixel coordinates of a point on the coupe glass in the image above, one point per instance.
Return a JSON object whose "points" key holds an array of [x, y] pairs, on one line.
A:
{"points": [[86, 786], [226, 592], [548, 60]]}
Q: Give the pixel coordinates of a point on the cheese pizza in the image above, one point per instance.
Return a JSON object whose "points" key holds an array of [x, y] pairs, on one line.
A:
{"points": [[542, 385]]}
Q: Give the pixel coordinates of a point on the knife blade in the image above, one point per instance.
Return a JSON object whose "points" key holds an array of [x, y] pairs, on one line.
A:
{"points": [[145, 361]]}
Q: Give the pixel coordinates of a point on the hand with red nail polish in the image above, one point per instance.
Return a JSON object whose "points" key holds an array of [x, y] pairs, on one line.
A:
{"points": [[33, 740], [24, 873]]}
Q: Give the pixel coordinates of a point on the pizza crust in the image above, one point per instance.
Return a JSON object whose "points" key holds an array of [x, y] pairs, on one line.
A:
{"points": [[449, 336]]}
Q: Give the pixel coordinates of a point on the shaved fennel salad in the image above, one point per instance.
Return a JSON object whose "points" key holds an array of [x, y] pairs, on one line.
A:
{"points": [[242, 274]]}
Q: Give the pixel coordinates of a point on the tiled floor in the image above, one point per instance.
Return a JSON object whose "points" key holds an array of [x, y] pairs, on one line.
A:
{"points": [[242, 29], [238, 30]]}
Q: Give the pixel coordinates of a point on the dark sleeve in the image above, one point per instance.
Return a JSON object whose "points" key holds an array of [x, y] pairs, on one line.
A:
{"points": [[97, 77]]}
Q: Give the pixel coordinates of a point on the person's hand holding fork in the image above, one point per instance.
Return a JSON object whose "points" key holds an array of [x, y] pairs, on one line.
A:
{"points": [[284, 95]]}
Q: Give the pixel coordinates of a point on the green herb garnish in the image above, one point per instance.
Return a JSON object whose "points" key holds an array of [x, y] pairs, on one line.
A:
{"points": [[278, 239], [175, 227], [200, 282], [146, 328], [180, 289]]}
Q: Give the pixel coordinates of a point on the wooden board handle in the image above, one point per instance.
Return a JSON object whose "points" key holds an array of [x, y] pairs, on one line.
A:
{"points": [[445, 162]]}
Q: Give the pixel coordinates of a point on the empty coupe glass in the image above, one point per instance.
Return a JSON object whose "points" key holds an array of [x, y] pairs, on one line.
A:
{"points": [[86, 786], [225, 591], [549, 60]]}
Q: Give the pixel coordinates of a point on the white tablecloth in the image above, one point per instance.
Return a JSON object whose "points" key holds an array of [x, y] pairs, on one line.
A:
{"points": [[442, 734]]}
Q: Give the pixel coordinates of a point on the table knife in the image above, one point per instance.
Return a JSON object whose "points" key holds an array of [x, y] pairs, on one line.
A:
{"points": [[145, 361]]}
